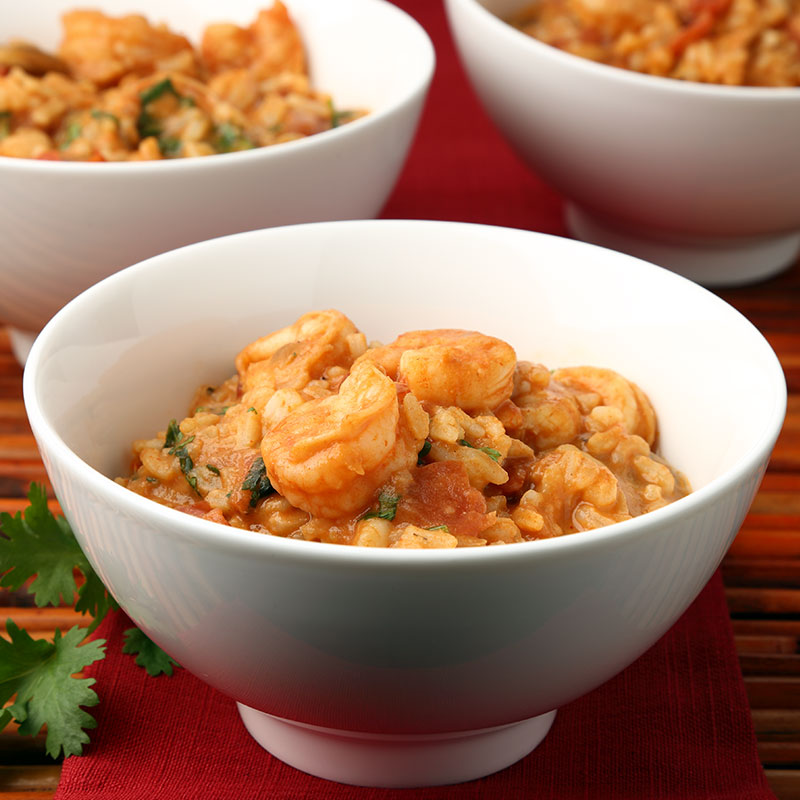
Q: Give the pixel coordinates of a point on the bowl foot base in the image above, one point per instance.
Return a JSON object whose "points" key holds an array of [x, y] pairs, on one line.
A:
{"points": [[395, 761], [733, 261], [21, 343]]}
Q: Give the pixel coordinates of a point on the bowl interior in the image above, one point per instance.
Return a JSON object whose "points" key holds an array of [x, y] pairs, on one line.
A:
{"points": [[124, 358], [365, 53]]}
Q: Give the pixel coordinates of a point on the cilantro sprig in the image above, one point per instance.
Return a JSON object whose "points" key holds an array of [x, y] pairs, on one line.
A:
{"points": [[40, 550]]}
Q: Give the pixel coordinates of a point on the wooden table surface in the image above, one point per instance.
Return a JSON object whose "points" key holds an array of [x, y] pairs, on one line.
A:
{"points": [[761, 571]]}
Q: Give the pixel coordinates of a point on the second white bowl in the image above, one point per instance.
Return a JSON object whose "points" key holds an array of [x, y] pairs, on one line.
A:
{"points": [[65, 226]]}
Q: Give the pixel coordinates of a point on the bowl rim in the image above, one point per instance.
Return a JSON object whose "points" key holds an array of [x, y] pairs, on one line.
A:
{"points": [[426, 69], [169, 521], [516, 38]]}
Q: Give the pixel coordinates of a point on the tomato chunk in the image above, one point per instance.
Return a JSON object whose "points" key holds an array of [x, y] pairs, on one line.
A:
{"points": [[440, 494]]}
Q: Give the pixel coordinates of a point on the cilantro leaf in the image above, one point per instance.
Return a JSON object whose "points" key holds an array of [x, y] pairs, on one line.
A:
{"points": [[257, 482], [387, 507], [426, 448], [177, 444], [40, 674], [490, 451], [37, 543], [230, 138], [99, 114], [338, 117], [150, 655]]}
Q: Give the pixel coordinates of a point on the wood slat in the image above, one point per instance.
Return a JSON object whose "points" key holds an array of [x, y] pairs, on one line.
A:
{"points": [[761, 572], [780, 692], [785, 783], [765, 601], [34, 778]]}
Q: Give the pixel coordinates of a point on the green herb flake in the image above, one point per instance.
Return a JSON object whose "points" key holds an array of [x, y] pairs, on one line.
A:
{"points": [[387, 507], [212, 469], [438, 528], [147, 124], [176, 443], [169, 146], [256, 482], [426, 448], [72, 133], [158, 90], [490, 451], [338, 117], [230, 138], [151, 479], [99, 114]]}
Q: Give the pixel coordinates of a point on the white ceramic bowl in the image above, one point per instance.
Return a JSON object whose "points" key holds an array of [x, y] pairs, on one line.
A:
{"points": [[383, 666], [65, 226], [698, 178]]}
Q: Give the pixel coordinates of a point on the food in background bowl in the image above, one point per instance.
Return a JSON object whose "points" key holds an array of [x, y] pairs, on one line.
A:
{"points": [[65, 225], [438, 439], [735, 42], [696, 177], [122, 89], [385, 666]]}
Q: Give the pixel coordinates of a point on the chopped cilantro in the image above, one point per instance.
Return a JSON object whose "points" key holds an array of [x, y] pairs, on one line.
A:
{"points": [[169, 145], [158, 90], [229, 138], [177, 443], [338, 117], [147, 124], [100, 115], [72, 133], [387, 507], [220, 412], [211, 468], [426, 448], [438, 528], [256, 482], [490, 451], [151, 479]]}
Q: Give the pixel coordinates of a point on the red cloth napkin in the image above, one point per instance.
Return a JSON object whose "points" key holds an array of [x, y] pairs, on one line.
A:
{"points": [[674, 725]]}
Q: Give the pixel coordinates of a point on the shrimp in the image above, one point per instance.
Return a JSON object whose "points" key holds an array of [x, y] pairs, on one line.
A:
{"points": [[549, 413], [331, 455], [611, 389], [292, 357], [450, 367], [573, 492], [104, 49], [270, 45]]}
